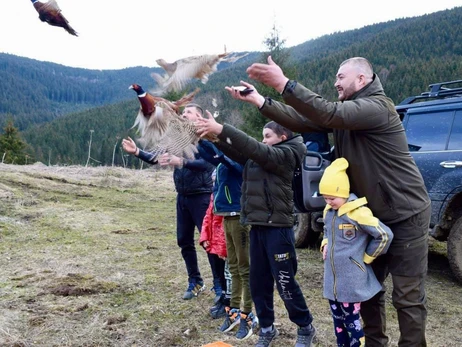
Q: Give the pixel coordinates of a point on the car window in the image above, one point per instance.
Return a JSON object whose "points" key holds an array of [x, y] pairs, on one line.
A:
{"points": [[428, 131], [455, 141]]}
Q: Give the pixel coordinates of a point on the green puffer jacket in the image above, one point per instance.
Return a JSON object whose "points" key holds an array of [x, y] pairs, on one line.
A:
{"points": [[267, 195]]}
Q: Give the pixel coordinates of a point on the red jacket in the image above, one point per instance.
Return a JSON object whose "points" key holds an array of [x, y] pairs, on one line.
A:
{"points": [[213, 232]]}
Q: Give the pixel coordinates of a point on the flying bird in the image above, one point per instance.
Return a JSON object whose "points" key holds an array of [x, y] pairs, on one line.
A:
{"points": [[162, 128], [51, 13], [179, 73]]}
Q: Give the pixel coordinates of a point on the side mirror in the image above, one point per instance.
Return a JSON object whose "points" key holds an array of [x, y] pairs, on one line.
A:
{"points": [[306, 183]]}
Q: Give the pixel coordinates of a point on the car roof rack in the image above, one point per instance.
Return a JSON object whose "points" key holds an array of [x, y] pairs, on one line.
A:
{"points": [[437, 91]]}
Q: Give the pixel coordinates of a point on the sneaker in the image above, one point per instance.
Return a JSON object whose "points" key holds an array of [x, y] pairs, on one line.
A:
{"points": [[232, 319], [194, 289], [246, 325], [214, 308], [305, 336], [218, 311], [217, 289], [265, 339]]}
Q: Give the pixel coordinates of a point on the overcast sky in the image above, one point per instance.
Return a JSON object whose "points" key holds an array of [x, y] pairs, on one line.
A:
{"points": [[119, 34]]}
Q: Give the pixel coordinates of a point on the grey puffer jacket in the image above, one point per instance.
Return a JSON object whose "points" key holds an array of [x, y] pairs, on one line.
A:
{"points": [[267, 195], [354, 238], [369, 134]]}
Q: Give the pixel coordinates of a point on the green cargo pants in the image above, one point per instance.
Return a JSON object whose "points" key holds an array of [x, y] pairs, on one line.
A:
{"points": [[237, 246], [407, 262]]}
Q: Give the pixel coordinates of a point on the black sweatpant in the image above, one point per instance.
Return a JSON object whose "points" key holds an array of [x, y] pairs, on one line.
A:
{"points": [[273, 258]]}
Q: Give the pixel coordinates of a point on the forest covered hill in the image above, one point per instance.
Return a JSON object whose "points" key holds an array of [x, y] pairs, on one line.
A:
{"points": [[408, 54], [35, 92]]}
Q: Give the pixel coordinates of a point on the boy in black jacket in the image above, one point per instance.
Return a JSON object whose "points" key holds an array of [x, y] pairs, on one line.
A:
{"points": [[193, 183], [267, 205]]}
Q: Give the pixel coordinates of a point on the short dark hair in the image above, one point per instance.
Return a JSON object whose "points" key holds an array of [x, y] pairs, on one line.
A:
{"points": [[278, 129], [198, 108]]}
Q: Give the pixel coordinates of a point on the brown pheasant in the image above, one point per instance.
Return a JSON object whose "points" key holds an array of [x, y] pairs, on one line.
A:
{"points": [[51, 13], [162, 128], [181, 72]]}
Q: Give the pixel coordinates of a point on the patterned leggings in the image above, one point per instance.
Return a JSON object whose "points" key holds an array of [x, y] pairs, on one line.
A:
{"points": [[347, 324]]}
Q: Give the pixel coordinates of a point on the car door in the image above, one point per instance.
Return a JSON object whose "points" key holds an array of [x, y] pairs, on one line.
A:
{"points": [[434, 136]]}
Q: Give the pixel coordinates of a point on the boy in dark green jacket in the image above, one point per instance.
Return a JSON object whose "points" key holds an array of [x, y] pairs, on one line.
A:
{"points": [[267, 205]]}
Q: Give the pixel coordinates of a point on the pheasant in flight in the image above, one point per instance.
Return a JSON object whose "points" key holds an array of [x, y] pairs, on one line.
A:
{"points": [[51, 13], [161, 126], [179, 73]]}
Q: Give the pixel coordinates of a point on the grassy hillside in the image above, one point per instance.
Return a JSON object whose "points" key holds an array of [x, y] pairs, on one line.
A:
{"points": [[89, 258]]}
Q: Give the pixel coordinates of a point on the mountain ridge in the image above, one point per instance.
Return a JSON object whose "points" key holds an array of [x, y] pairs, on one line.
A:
{"points": [[407, 54]]}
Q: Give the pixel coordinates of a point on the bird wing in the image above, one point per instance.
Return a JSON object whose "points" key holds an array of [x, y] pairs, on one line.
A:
{"points": [[233, 58], [200, 67], [168, 67], [51, 5], [181, 138], [47, 10], [161, 81], [51, 13], [185, 99], [166, 131]]}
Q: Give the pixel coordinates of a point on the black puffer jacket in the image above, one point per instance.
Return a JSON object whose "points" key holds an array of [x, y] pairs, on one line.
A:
{"points": [[267, 196], [195, 177]]}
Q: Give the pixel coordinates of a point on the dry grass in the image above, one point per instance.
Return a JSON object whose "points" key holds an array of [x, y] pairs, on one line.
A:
{"points": [[89, 258]]}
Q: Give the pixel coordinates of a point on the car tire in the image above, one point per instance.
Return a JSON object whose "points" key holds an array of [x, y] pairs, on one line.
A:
{"points": [[305, 236], [455, 249]]}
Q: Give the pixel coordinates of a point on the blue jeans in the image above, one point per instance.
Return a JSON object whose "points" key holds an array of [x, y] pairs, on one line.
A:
{"points": [[190, 211]]}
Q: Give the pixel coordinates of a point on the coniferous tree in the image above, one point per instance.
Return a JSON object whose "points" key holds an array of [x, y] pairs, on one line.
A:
{"points": [[12, 147], [253, 120]]}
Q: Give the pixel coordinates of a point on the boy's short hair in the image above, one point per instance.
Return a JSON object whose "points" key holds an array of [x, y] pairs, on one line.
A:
{"points": [[198, 108], [278, 129]]}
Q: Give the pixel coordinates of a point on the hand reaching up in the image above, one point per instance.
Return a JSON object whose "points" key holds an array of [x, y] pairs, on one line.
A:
{"points": [[209, 125], [129, 145], [253, 97], [270, 74]]}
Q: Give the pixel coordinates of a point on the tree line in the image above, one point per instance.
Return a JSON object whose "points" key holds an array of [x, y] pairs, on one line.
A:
{"points": [[407, 54]]}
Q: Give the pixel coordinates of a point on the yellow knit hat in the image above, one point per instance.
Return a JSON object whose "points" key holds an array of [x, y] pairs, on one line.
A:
{"points": [[334, 181]]}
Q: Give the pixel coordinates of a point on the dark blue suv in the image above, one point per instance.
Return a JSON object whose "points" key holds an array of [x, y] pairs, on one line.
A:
{"points": [[433, 124]]}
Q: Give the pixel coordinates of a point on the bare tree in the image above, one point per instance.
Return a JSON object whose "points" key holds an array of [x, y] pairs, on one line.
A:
{"points": [[89, 147], [113, 152], [125, 159]]}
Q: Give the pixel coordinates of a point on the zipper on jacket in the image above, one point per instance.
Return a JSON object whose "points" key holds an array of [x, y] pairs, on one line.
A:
{"points": [[357, 264], [269, 203], [228, 195], [331, 255]]}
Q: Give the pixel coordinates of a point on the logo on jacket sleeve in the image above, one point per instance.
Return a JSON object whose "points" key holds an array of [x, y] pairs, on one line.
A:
{"points": [[348, 231]]}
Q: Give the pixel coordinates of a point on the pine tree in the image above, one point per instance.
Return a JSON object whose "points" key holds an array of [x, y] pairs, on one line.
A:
{"points": [[253, 120], [12, 147]]}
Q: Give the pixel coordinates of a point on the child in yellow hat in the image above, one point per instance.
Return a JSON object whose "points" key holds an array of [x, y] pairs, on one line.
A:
{"points": [[353, 238]]}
